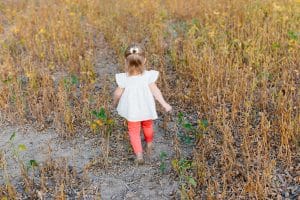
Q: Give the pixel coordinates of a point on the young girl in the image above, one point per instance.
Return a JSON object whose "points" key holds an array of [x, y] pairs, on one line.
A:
{"points": [[134, 98]]}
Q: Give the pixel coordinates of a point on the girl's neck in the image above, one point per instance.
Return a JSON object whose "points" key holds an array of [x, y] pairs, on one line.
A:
{"points": [[136, 73]]}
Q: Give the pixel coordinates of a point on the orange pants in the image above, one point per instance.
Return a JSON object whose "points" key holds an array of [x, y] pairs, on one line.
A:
{"points": [[134, 129]]}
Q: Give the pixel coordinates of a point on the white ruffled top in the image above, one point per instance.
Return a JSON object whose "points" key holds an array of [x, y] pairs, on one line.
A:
{"points": [[137, 102]]}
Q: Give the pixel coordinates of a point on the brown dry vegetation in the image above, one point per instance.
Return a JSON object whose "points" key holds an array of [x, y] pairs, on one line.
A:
{"points": [[232, 63]]}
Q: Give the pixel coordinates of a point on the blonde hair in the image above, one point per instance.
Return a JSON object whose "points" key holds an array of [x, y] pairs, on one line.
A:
{"points": [[135, 59]]}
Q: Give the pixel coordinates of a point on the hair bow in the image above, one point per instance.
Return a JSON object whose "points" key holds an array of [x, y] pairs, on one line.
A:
{"points": [[134, 50]]}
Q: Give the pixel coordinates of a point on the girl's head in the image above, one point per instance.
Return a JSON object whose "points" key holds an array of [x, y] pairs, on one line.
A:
{"points": [[135, 59]]}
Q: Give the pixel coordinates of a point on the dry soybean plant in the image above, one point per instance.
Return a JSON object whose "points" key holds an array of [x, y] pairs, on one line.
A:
{"points": [[231, 67], [233, 63]]}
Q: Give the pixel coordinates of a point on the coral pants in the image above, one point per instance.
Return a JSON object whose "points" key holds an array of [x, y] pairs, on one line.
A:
{"points": [[134, 129]]}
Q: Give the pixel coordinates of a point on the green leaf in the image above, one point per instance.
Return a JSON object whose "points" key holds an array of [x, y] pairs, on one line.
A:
{"points": [[180, 117], [12, 137], [186, 139], [66, 82], [174, 163], [275, 45], [94, 112], [188, 126], [185, 164], [192, 181], [9, 79], [162, 167], [162, 155], [33, 163], [292, 35], [204, 123], [102, 114], [74, 79], [196, 22], [22, 147]]}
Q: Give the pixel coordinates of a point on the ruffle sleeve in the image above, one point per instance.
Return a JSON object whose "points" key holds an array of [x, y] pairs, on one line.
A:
{"points": [[153, 75], [120, 79]]}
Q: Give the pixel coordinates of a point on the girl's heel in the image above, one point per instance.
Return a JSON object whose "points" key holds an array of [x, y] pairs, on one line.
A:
{"points": [[149, 149], [139, 159]]}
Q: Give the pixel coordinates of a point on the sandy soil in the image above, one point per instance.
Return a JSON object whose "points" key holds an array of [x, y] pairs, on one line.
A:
{"points": [[121, 180]]}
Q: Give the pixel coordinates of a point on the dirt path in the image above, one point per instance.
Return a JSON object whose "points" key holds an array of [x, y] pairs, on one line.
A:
{"points": [[121, 179], [124, 180]]}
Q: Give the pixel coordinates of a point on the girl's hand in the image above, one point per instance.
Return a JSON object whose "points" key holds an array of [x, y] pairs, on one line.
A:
{"points": [[167, 107]]}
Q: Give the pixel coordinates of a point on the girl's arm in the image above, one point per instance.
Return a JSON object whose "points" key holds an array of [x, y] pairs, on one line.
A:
{"points": [[158, 96], [117, 95]]}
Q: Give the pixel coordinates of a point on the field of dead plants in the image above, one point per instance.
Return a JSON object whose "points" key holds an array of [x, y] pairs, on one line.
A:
{"points": [[230, 68]]}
